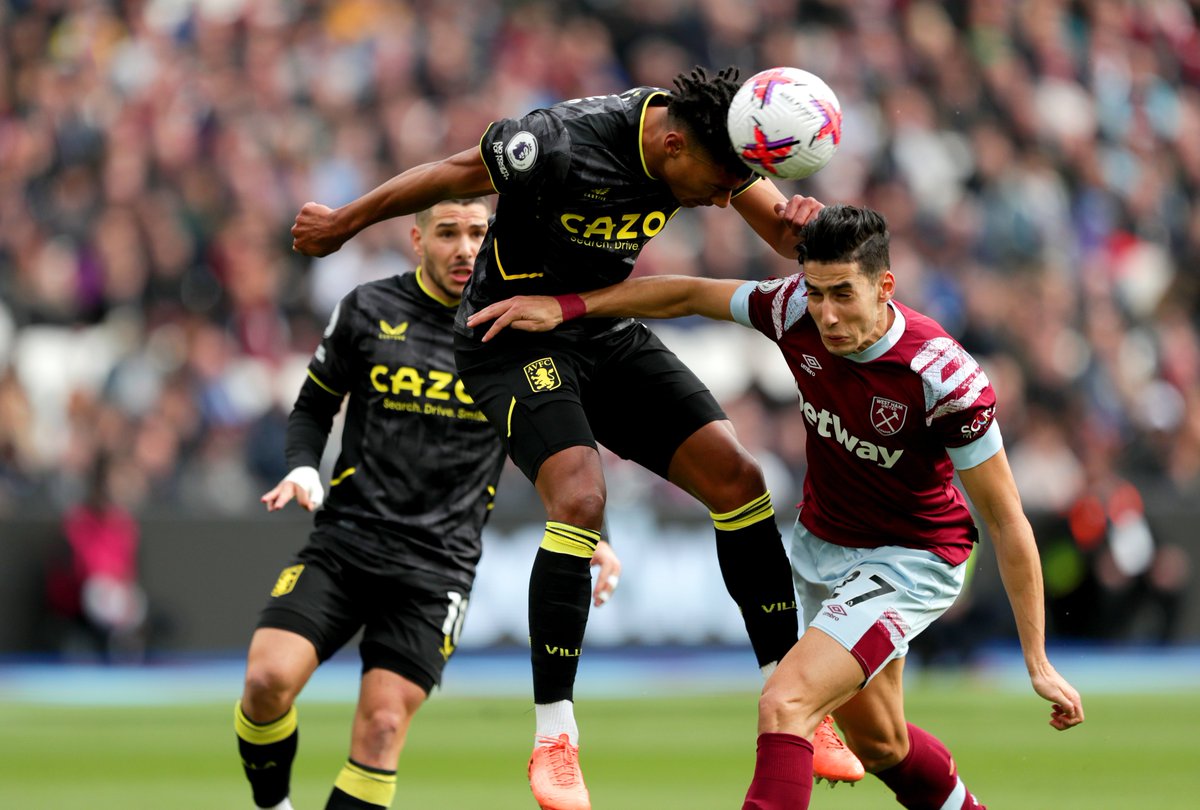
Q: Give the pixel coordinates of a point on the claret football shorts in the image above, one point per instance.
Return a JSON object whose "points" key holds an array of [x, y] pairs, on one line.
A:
{"points": [[623, 389], [872, 601]]}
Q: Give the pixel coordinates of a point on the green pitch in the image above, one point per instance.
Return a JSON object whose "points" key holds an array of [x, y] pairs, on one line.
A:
{"points": [[691, 753]]}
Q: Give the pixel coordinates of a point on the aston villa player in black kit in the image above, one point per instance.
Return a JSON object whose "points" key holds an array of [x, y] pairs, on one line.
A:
{"points": [[583, 186], [395, 547]]}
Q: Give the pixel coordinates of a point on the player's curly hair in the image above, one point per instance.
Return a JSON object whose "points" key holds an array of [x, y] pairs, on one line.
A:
{"points": [[848, 234], [701, 104]]}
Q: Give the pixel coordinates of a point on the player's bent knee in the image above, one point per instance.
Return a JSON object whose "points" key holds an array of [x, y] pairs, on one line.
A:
{"points": [[382, 726], [785, 709], [577, 506], [731, 484], [269, 692]]}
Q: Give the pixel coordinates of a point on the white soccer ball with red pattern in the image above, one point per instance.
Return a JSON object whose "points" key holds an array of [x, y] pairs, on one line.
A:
{"points": [[785, 123]]}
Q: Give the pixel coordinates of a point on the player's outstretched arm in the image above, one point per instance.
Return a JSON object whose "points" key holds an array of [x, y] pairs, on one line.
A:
{"points": [[775, 218], [320, 230], [993, 491], [647, 297]]}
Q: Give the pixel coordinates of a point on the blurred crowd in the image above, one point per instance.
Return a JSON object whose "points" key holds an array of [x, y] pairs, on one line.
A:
{"points": [[1037, 161]]}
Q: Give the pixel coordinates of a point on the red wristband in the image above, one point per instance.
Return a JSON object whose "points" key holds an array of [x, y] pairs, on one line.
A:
{"points": [[572, 306]]}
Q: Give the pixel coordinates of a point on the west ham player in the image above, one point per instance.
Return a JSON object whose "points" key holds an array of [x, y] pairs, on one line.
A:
{"points": [[583, 186], [395, 548], [893, 407]]}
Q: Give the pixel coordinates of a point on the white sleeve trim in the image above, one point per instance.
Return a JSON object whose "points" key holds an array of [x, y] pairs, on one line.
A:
{"points": [[978, 451]]}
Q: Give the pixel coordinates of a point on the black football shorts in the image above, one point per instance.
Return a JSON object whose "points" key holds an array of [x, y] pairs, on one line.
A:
{"points": [[622, 389], [411, 619]]}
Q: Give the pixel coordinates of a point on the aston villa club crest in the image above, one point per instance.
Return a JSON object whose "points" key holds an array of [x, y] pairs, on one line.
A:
{"points": [[887, 415], [542, 375]]}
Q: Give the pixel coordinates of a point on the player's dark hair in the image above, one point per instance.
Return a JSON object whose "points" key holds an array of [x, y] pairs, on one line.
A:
{"points": [[847, 234], [424, 215], [701, 105]]}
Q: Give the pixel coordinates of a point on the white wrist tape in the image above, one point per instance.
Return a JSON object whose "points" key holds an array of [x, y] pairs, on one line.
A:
{"points": [[309, 480]]}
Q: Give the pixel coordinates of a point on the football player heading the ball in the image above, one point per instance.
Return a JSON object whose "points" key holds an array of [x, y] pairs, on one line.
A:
{"points": [[583, 186], [893, 407]]}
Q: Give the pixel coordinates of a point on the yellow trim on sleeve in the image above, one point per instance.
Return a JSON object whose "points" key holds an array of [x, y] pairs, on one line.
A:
{"points": [[313, 377], [346, 473]]}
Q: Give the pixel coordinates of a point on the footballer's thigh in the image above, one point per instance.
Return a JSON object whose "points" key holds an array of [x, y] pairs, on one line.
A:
{"points": [[816, 676], [308, 616], [645, 405], [530, 392]]}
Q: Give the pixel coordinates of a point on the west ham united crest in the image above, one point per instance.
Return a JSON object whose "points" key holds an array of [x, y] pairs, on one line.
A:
{"points": [[887, 415], [542, 375]]}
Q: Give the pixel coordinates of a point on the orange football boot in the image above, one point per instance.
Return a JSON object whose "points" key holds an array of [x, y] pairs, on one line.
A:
{"points": [[554, 775], [832, 760]]}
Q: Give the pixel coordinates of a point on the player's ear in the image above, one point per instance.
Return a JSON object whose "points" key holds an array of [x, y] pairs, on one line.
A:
{"points": [[674, 143], [415, 236], [887, 286]]}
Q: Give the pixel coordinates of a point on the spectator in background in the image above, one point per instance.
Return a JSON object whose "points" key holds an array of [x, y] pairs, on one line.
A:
{"points": [[97, 586], [1129, 584]]}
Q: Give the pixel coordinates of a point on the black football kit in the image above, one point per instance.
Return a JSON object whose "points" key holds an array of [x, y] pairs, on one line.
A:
{"points": [[395, 547], [577, 204]]}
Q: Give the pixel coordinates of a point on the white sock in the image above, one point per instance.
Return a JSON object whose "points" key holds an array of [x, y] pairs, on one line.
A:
{"points": [[554, 719], [767, 669], [286, 804]]}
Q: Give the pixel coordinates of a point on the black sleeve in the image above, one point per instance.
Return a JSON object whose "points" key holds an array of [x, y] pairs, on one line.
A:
{"points": [[309, 424], [526, 155]]}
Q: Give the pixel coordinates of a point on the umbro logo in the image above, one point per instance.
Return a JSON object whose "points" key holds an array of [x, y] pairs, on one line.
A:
{"points": [[811, 365], [389, 332]]}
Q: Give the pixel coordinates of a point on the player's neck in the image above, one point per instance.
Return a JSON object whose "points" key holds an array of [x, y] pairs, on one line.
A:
{"points": [[654, 127]]}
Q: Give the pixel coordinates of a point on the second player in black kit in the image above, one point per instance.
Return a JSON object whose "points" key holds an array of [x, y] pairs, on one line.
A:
{"points": [[582, 186], [419, 486], [395, 548]]}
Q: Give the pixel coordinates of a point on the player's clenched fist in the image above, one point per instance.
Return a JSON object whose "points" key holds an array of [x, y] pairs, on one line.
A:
{"points": [[313, 233]]}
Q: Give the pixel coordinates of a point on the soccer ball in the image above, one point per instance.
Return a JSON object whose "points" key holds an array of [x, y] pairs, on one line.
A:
{"points": [[785, 123]]}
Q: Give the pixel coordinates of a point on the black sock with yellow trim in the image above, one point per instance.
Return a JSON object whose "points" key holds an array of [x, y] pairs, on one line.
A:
{"points": [[360, 787], [267, 750], [560, 586], [758, 576]]}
